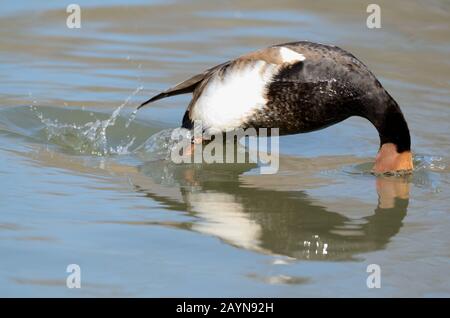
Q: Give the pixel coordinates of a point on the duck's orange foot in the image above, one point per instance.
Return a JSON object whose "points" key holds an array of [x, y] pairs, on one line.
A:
{"points": [[189, 151]]}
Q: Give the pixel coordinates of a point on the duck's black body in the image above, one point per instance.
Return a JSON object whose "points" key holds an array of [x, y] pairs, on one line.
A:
{"points": [[297, 87], [329, 86]]}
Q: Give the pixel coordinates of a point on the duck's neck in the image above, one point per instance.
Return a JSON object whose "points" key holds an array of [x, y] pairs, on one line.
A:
{"points": [[395, 141]]}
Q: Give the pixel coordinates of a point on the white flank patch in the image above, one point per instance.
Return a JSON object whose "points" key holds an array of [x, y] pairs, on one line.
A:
{"points": [[226, 103], [290, 56]]}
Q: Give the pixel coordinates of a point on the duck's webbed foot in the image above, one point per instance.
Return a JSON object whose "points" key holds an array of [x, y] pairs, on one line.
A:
{"points": [[189, 151]]}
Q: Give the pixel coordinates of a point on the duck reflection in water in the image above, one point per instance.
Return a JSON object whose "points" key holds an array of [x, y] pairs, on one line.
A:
{"points": [[255, 217], [266, 214]]}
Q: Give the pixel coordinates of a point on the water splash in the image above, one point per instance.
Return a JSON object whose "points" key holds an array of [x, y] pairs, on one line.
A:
{"points": [[139, 80], [89, 138], [431, 163], [131, 118], [160, 145], [427, 163]]}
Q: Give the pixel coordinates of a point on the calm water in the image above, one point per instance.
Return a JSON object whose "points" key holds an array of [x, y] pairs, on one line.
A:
{"points": [[76, 188]]}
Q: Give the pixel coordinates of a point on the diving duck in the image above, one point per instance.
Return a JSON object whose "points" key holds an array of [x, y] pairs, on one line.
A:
{"points": [[297, 87]]}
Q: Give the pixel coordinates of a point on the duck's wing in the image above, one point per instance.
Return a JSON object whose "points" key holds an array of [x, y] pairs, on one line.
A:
{"points": [[276, 55], [187, 86]]}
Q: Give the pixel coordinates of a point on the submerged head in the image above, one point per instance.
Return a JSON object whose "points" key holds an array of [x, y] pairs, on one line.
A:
{"points": [[390, 160]]}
